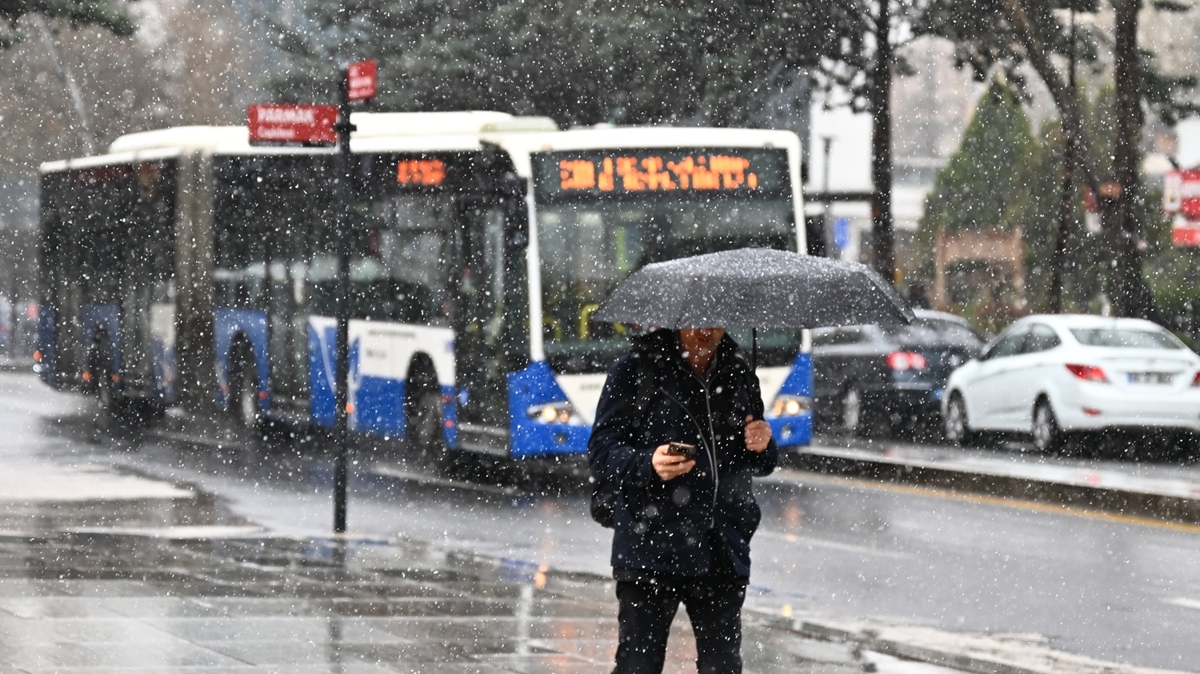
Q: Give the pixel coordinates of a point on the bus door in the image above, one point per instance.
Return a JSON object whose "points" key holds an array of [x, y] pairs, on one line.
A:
{"points": [[147, 298], [491, 320], [482, 389]]}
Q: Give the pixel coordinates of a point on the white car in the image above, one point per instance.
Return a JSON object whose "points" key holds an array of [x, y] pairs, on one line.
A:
{"points": [[1051, 375]]}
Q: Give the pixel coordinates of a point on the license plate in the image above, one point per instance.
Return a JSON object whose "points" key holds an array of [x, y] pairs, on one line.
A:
{"points": [[1150, 377]]}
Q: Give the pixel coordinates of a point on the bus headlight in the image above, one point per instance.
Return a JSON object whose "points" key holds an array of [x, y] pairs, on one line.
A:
{"points": [[555, 413], [790, 406]]}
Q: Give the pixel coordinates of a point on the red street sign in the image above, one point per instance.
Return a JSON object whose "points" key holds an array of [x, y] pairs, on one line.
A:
{"points": [[1181, 193], [1186, 235], [1185, 232], [292, 124], [360, 81]]}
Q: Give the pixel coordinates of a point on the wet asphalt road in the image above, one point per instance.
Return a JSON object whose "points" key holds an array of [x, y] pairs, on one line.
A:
{"points": [[1094, 585]]}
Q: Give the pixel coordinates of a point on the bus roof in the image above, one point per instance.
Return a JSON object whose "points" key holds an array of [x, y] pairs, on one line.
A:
{"points": [[424, 131], [370, 125], [584, 138]]}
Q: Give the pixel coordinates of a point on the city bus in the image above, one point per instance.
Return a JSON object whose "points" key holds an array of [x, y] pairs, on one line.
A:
{"points": [[189, 269]]}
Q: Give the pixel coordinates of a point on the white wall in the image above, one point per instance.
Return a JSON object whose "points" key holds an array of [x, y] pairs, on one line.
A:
{"points": [[850, 171]]}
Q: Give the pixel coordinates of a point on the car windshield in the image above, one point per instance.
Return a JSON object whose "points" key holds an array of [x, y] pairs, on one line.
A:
{"points": [[933, 332], [1123, 338]]}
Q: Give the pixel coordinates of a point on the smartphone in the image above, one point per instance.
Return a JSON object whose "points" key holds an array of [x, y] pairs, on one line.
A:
{"points": [[681, 449]]}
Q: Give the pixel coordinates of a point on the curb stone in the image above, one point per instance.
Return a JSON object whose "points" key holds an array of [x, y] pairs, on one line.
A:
{"points": [[977, 653], [1090, 489]]}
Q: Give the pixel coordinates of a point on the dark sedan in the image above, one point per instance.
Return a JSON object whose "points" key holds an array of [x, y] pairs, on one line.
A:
{"points": [[871, 380]]}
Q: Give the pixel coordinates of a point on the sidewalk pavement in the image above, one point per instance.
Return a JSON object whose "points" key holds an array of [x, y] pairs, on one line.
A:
{"points": [[106, 572], [102, 571], [1163, 492]]}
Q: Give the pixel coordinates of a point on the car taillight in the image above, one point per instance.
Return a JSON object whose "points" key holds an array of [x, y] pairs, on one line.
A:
{"points": [[906, 360], [1196, 380], [1088, 373]]}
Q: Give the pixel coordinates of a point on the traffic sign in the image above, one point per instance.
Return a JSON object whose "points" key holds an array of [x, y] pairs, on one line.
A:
{"points": [[292, 124], [1181, 196], [1181, 193], [1185, 232], [841, 233], [361, 81]]}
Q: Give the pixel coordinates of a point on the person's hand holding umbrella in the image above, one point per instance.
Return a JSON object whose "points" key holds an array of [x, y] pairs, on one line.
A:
{"points": [[757, 435]]}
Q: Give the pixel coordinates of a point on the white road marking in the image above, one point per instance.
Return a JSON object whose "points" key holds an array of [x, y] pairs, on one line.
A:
{"points": [[833, 545], [33, 482]]}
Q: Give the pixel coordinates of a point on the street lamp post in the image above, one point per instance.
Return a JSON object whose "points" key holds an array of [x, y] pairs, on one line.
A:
{"points": [[826, 211], [344, 198]]}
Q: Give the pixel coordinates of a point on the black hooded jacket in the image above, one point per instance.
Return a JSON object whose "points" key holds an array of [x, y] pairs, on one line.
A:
{"points": [[670, 527]]}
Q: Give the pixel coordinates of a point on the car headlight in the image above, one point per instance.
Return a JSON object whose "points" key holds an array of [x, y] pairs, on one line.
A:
{"points": [[790, 406], [555, 413]]}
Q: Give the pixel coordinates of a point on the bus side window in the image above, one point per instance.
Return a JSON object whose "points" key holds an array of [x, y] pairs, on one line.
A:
{"points": [[415, 249]]}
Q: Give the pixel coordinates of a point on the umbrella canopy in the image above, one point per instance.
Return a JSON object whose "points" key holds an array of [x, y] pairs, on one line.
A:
{"points": [[754, 288]]}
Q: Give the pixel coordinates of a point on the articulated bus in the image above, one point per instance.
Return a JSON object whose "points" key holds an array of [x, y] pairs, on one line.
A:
{"points": [[188, 268]]}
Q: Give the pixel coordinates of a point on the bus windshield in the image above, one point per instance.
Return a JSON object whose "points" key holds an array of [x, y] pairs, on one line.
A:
{"points": [[587, 247]]}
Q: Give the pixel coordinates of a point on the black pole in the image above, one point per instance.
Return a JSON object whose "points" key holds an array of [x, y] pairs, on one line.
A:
{"points": [[344, 200]]}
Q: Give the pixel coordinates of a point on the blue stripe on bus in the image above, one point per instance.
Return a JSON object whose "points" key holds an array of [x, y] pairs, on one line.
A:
{"points": [[795, 431], [321, 370], [536, 385], [379, 406], [378, 401], [252, 324]]}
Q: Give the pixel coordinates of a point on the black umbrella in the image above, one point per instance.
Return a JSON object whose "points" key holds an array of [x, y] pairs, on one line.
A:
{"points": [[754, 288]]}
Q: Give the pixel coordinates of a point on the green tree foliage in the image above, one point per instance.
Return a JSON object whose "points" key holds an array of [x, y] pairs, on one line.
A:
{"points": [[106, 14], [989, 183], [1028, 30], [999, 179], [578, 61], [1006, 175]]}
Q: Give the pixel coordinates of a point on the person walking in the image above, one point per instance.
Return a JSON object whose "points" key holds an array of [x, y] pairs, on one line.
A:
{"points": [[682, 520]]}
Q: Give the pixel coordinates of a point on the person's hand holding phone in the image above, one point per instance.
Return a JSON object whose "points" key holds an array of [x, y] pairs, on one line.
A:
{"points": [[673, 459]]}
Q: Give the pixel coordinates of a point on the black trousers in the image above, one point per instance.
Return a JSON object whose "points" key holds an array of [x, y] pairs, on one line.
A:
{"points": [[714, 606]]}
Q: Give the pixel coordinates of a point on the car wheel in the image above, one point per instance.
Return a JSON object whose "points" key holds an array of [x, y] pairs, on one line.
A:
{"points": [[956, 426], [1047, 436]]}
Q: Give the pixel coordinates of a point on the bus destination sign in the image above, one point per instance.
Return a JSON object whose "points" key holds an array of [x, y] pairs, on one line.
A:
{"points": [[421, 172], [680, 171]]}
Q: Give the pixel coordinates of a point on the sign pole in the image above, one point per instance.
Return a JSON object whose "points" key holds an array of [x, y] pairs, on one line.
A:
{"points": [[291, 124], [344, 198]]}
